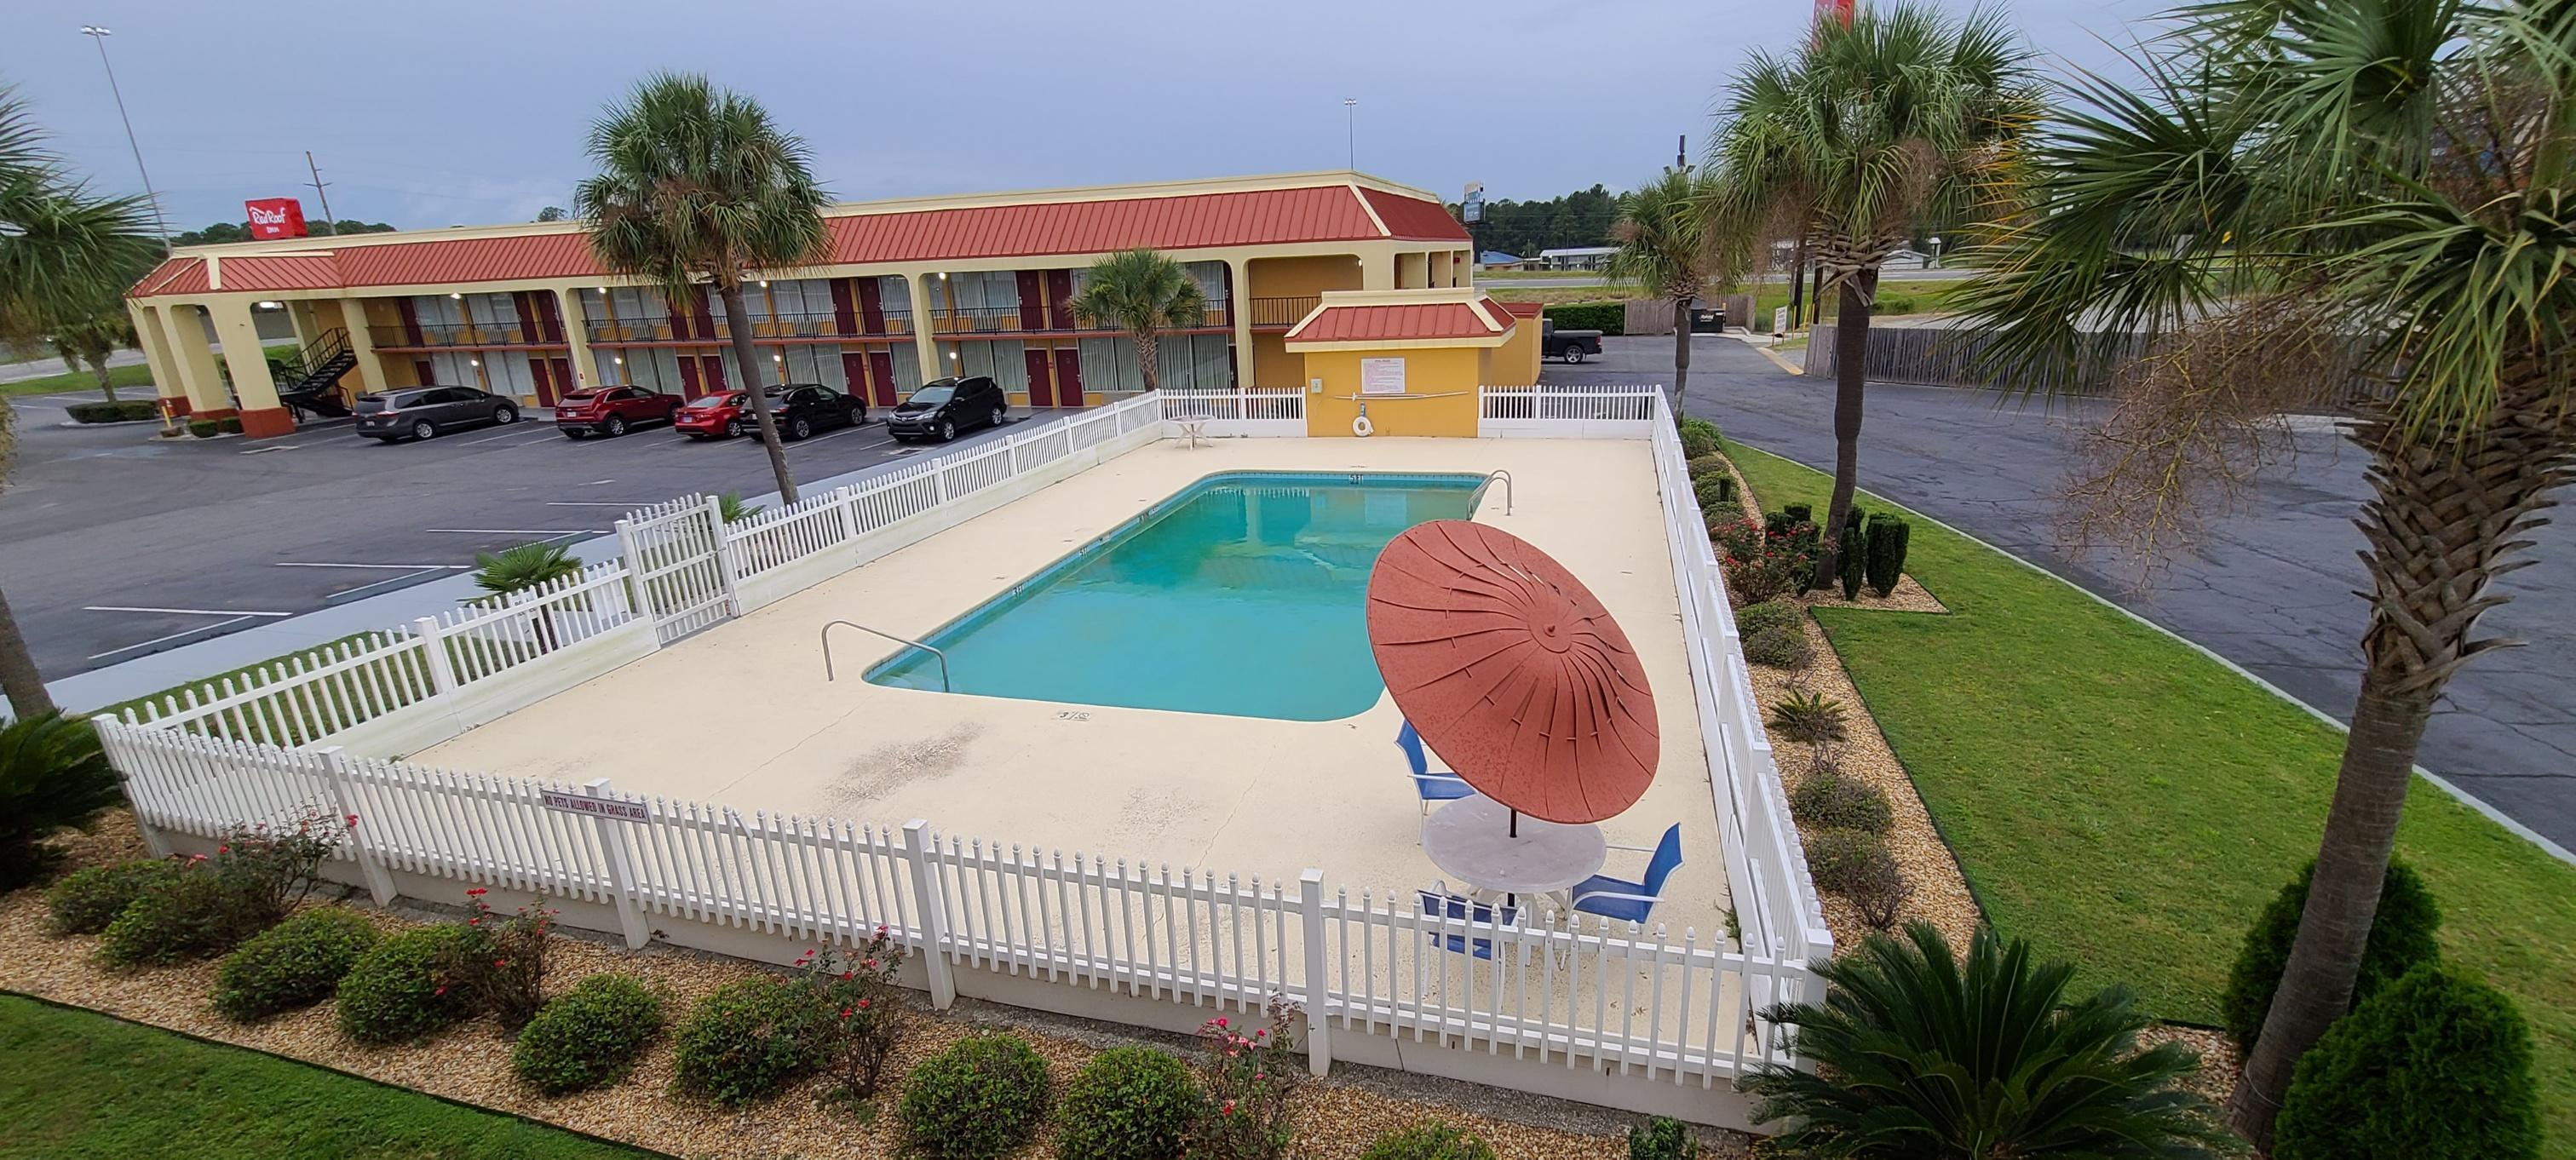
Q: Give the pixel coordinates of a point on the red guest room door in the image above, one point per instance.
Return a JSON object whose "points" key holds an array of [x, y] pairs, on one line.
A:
{"points": [[1041, 388], [1068, 377]]}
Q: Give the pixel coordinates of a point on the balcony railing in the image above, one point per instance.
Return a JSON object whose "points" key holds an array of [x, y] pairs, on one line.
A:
{"points": [[1007, 319], [453, 334], [826, 325], [1282, 313]]}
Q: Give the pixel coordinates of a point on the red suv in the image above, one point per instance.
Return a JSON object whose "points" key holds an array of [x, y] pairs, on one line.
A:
{"points": [[611, 410], [723, 415]]}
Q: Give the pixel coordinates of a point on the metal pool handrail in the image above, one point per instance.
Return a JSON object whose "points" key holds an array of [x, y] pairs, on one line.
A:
{"points": [[827, 650], [1506, 477]]}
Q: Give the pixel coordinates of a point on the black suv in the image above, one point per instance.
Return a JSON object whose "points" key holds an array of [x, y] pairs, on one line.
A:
{"points": [[943, 407], [801, 409], [424, 412]]}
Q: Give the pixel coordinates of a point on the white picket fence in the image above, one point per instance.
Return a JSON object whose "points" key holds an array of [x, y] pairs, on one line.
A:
{"points": [[1246, 411], [1571, 992], [1605, 411]]}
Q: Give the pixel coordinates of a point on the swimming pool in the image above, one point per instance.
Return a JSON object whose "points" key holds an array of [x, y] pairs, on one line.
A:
{"points": [[1240, 594]]}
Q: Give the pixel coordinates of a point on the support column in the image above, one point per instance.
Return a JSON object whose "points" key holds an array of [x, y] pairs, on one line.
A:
{"points": [[370, 369], [158, 356], [194, 357], [262, 416], [585, 365], [299, 314], [925, 345], [1240, 312]]}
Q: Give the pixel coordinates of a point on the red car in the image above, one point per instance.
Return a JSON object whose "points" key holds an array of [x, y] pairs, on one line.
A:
{"points": [[722, 415], [611, 410]]}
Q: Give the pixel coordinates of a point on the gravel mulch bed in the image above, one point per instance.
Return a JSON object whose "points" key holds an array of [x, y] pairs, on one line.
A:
{"points": [[1338, 1117]]}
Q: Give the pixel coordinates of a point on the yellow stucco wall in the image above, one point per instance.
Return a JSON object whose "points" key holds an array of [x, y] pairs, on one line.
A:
{"points": [[1273, 365], [1299, 277], [1515, 363], [1448, 374]]}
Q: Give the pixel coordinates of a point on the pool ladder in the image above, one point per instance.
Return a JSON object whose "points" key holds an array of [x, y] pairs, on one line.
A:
{"points": [[827, 649], [1506, 477]]}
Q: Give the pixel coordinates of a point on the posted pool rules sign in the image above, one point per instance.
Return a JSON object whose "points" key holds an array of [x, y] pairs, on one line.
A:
{"points": [[275, 217]]}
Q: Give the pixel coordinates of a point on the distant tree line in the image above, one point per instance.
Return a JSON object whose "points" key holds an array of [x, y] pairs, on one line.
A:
{"points": [[1524, 228], [221, 232]]}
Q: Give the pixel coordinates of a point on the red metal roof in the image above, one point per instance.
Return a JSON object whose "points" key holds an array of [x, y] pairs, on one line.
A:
{"points": [[1372, 323], [1518, 309], [1414, 219], [1318, 213]]}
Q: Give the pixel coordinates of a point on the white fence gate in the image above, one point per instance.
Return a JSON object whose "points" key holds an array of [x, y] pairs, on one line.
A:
{"points": [[674, 552]]}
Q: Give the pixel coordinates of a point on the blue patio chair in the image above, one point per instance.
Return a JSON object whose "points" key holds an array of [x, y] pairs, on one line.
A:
{"points": [[1443, 786], [1631, 901], [1439, 904]]}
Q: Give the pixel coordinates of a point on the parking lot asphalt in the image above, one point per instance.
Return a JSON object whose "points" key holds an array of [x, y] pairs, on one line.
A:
{"points": [[116, 545], [2272, 587]]}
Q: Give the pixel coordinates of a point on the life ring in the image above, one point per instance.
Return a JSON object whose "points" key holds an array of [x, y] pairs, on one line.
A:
{"points": [[1361, 425]]}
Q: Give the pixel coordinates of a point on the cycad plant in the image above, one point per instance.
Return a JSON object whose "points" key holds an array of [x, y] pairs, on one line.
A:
{"points": [[1917, 1056], [1143, 293], [699, 185], [52, 775], [1902, 117], [520, 569], [1664, 251], [2321, 203]]}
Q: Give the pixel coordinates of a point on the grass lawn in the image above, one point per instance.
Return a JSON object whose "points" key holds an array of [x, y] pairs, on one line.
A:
{"points": [[2123, 801], [78, 1084], [138, 376]]}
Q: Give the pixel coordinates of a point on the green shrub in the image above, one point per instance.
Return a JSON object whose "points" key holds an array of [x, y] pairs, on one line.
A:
{"points": [[588, 1036], [412, 985], [85, 901], [229, 425], [189, 915], [1716, 495], [1781, 612], [1431, 1141], [1128, 1103], [1840, 860], [2435, 1066], [2401, 938], [53, 775], [983, 1097], [1713, 463], [1663, 1138], [1610, 318], [1808, 716], [1781, 647], [202, 428], [120, 411], [1851, 558], [1886, 551], [746, 1040], [296, 963], [1833, 802], [1699, 437]]}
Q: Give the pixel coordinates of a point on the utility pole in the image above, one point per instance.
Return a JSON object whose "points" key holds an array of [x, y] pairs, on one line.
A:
{"points": [[1351, 130], [161, 228], [1681, 152], [325, 198]]}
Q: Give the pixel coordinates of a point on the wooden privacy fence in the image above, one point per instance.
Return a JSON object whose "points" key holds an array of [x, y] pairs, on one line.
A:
{"points": [[1943, 356], [1616, 998]]}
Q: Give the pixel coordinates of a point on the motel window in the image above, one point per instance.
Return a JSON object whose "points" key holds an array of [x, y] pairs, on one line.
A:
{"points": [[1211, 279], [1201, 362], [812, 363], [986, 290], [637, 306], [894, 294], [451, 368], [1005, 362], [907, 368], [492, 312], [509, 373], [435, 310]]}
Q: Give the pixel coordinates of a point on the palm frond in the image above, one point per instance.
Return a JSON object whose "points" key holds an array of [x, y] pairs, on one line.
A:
{"points": [[65, 252], [695, 184]]}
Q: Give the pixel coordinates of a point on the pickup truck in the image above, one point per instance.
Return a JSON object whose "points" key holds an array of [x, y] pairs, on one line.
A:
{"points": [[1570, 345]]}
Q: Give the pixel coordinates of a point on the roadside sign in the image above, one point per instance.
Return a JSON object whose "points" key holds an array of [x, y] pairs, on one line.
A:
{"points": [[275, 217], [1471, 207], [623, 809]]}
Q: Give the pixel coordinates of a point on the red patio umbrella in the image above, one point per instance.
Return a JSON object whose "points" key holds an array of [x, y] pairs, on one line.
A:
{"points": [[1512, 671]]}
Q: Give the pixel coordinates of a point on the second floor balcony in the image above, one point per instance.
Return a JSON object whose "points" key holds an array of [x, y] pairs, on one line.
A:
{"points": [[437, 334]]}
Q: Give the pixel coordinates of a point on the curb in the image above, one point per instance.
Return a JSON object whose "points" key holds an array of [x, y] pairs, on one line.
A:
{"points": [[1774, 356]]}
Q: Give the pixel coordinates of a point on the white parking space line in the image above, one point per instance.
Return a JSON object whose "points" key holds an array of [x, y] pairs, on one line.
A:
{"points": [[544, 534], [235, 612], [173, 636], [391, 567], [594, 503], [271, 447], [428, 571], [538, 437]]}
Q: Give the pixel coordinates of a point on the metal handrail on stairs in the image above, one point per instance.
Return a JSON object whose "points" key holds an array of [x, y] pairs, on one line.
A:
{"points": [[828, 673], [1506, 477]]}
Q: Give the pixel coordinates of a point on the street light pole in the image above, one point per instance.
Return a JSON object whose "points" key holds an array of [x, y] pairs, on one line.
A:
{"points": [[98, 34], [1351, 130]]}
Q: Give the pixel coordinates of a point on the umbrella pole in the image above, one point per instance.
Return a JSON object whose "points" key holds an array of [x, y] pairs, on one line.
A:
{"points": [[1516, 823]]}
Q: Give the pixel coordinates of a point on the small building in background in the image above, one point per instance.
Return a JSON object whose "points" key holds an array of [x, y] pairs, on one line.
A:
{"points": [[1498, 260], [1576, 258]]}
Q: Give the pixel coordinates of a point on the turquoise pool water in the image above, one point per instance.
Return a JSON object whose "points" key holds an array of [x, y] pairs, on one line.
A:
{"points": [[1242, 594]]}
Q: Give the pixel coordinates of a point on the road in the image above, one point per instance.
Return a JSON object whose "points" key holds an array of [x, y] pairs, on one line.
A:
{"points": [[2271, 589], [116, 545]]}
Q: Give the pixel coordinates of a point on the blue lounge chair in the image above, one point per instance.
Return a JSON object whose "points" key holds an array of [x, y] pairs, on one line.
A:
{"points": [[1443, 786], [1442, 905], [1631, 901]]}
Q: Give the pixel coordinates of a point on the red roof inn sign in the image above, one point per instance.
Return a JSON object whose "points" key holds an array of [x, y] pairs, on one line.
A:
{"points": [[623, 809], [275, 217]]}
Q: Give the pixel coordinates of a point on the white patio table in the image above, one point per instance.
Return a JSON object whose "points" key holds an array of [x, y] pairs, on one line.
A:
{"points": [[1472, 840]]}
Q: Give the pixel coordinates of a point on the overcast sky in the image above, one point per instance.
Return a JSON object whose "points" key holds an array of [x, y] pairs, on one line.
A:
{"points": [[469, 112]]}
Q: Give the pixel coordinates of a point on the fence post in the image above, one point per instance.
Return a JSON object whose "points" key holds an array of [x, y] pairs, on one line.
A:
{"points": [[1319, 1033], [433, 647], [848, 502], [622, 885], [1011, 451], [939, 477], [112, 739], [344, 790], [632, 551], [714, 509], [934, 934]]}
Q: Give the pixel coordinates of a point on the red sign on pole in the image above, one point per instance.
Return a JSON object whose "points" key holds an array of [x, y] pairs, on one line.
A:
{"points": [[275, 217], [1838, 11]]}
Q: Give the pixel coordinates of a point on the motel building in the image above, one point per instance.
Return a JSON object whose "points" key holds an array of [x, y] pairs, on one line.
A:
{"points": [[1312, 282]]}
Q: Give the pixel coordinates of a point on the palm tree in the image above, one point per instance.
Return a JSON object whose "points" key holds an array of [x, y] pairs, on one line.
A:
{"points": [[2311, 200], [1143, 293], [1871, 127], [698, 184], [1663, 251], [62, 249], [1918, 1056], [52, 775], [91, 338]]}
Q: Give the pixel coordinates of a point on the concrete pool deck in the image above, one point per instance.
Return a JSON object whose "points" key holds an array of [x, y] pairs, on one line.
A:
{"points": [[741, 714]]}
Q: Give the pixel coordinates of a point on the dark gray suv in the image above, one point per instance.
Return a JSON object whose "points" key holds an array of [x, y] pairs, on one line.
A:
{"points": [[425, 412]]}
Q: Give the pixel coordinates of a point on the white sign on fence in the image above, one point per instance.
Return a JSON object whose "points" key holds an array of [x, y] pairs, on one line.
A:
{"points": [[598, 807], [1382, 376]]}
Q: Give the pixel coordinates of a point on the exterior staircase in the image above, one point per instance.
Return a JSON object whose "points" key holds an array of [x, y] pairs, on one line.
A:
{"points": [[311, 387]]}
